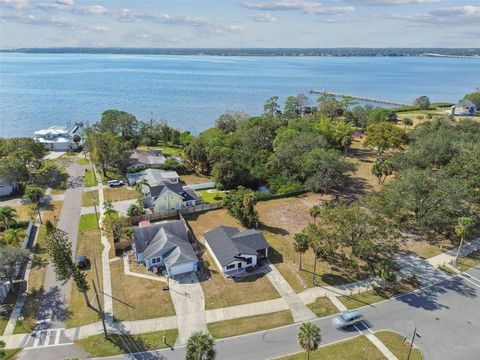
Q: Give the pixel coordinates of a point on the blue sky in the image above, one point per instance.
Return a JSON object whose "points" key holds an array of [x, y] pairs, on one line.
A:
{"points": [[239, 23]]}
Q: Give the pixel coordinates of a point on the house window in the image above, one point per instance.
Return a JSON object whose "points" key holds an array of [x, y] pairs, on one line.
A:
{"points": [[240, 265], [231, 266], [249, 261], [154, 261]]}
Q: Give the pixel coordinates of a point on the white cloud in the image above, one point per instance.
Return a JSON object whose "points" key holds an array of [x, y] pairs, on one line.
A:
{"points": [[69, 6], [28, 18], [391, 2], [309, 7], [15, 4], [263, 17], [456, 15]]}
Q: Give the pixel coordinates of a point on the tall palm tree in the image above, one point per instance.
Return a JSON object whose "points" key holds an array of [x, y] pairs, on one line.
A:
{"points": [[314, 212], [462, 230], [35, 195], [200, 346], [309, 337], [13, 237], [139, 185], [7, 215], [300, 242]]}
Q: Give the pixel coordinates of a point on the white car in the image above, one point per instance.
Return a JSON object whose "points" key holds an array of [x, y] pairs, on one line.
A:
{"points": [[346, 318], [114, 183]]}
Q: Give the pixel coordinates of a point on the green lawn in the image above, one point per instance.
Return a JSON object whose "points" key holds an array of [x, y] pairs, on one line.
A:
{"points": [[166, 150], [89, 179], [323, 307], [88, 222], [83, 162], [87, 198], [223, 329], [10, 353], [447, 270], [116, 344], [465, 263], [357, 348], [212, 196], [397, 346], [378, 294]]}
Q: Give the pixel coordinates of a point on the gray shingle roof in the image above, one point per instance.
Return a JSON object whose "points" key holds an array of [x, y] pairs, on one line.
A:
{"points": [[168, 239], [141, 157], [227, 243]]}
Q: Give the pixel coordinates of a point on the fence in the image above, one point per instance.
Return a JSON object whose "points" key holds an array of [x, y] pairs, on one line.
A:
{"points": [[202, 186], [174, 213]]}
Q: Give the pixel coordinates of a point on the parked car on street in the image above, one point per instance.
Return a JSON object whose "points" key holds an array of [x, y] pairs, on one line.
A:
{"points": [[82, 261], [346, 319], [114, 183]]}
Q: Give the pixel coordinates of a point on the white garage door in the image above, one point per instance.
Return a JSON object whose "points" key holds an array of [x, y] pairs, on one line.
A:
{"points": [[182, 268]]}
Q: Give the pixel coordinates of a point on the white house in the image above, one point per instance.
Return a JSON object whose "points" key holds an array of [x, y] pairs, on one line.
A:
{"points": [[163, 190], [57, 138], [235, 251], [165, 246], [6, 188], [464, 108]]}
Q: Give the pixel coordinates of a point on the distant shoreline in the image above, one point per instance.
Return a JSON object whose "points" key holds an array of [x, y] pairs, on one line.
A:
{"points": [[472, 53]]}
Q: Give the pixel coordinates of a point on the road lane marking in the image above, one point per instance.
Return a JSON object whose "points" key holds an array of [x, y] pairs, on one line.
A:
{"points": [[57, 337], [470, 281], [53, 345], [37, 338], [471, 276], [47, 338]]}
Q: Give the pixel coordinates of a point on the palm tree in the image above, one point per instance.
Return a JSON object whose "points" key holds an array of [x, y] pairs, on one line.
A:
{"points": [[109, 209], [139, 185], [314, 212], [13, 236], [300, 241], [35, 195], [200, 346], [462, 230], [7, 215], [309, 337]]}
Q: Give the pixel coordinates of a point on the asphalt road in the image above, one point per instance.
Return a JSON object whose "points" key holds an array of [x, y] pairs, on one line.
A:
{"points": [[446, 315]]}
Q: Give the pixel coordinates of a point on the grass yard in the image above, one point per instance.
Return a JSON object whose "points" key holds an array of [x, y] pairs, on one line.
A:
{"points": [[98, 346], [89, 179], [210, 196], [280, 220], [23, 212], [87, 198], [166, 150], [447, 270], [428, 248], [120, 193], [89, 244], [378, 294], [357, 348], [191, 179], [10, 353], [83, 162], [394, 341], [323, 307], [224, 329], [135, 298], [88, 222], [219, 291], [9, 302], [465, 263], [363, 181]]}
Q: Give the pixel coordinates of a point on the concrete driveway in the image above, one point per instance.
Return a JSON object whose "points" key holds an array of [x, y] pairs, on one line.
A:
{"points": [[189, 302]]}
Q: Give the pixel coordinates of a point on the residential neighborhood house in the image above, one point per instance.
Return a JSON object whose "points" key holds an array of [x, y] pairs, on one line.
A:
{"points": [[234, 251], [6, 187], [140, 159], [464, 108], [163, 191], [57, 138], [165, 246]]}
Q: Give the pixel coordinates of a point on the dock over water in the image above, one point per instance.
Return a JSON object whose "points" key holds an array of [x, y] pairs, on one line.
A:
{"points": [[363, 98]]}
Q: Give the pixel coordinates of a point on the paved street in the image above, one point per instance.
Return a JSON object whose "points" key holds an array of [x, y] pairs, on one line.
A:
{"points": [[446, 316]]}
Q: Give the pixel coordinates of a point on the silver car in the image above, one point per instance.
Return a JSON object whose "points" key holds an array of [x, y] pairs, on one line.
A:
{"points": [[346, 318]]}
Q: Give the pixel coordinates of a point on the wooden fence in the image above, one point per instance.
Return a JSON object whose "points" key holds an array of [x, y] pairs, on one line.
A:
{"points": [[174, 213]]}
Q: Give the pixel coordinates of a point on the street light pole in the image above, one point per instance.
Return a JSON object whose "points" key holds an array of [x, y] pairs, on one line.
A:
{"points": [[411, 344]]}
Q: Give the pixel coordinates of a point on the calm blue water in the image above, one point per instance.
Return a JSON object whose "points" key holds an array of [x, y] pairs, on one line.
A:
{"points": [[190, 92]]}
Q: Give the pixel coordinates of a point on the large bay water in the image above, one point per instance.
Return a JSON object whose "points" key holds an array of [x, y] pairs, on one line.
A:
{"points": [[190, 92]]}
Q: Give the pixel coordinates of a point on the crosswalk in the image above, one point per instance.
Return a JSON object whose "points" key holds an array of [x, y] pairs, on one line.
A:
{"points": [[48, 337]]}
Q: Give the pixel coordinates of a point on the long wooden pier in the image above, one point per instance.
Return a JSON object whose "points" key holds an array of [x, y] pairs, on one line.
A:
{"points": [[363, 98]]}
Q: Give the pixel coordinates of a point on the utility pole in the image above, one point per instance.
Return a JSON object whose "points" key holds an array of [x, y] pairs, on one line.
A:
{"points": [[101, 310], [411, 344]]}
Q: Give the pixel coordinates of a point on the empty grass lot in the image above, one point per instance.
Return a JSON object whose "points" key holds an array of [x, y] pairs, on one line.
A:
{"points": [[116, 344], [378, 294], [323, 307], [88, 222], [397, 346], [223, 329], [357, 348], [135, 298], [37, 273], [120, 193], [191, 179], [23, 212], [89, 179], [219, 291], [87, 198]]}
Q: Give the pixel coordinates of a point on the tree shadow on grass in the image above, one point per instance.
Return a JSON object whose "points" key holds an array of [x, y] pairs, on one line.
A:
{"points": [[273, 229]]}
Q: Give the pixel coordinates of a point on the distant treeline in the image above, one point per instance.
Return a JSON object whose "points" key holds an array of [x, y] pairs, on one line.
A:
{"points": [[258, 51]]}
